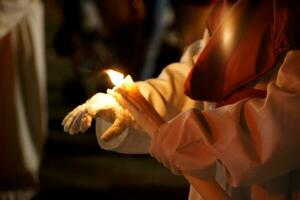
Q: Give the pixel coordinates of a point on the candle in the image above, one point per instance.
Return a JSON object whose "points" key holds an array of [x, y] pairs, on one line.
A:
{"points": [[128, 95]]}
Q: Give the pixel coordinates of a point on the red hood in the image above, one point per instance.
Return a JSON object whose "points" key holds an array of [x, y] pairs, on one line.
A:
{"points": [[247, 39]]}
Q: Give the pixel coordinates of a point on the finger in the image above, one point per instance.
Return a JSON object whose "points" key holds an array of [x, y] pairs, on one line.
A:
{"points": [[122, 120], [71, 114], [85, 123], [75, 126], [68, 120], [116, 129]]}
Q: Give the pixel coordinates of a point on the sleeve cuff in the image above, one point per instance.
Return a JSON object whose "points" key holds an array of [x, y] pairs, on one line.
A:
{"points": [[179, 146]]}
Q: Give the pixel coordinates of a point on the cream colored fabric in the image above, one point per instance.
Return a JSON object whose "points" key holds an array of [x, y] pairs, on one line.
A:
{"points": [[255, 140], [166, 94], [22, 93]]}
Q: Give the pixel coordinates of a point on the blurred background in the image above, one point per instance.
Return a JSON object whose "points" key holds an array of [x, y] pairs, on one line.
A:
{"points": [[83, 37]]}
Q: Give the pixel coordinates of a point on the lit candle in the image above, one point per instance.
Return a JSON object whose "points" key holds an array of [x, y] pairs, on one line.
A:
{"points": [[115, 77], [125, 84], [125, 88]]}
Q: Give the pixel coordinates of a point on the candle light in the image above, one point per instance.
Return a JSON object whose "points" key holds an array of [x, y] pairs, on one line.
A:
{"points": [[126, 84], [126, 88], [115, 77]]}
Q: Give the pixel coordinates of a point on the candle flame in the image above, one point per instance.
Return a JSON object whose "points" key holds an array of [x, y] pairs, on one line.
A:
{"points": [[115, 77]]}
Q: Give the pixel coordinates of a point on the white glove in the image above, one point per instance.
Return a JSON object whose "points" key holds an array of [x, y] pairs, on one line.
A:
{"points": [[100, 105], [145, 115]]}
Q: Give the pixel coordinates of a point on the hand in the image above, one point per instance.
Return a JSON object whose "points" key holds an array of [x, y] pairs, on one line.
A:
{"points": [[144, 114], [100, 105]]}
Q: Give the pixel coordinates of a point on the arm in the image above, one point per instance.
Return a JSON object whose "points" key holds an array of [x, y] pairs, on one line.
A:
{"points": [[162, 93], [255, 139], [166, 92]]}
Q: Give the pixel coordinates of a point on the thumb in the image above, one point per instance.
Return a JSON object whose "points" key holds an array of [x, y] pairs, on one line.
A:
{"points": [[118, 126]]}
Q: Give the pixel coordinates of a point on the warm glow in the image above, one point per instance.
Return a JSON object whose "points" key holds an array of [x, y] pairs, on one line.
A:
{"points": [[115, 77], [227, 36]]}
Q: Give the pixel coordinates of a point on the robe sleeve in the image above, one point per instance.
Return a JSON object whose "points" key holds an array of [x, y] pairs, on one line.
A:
{"points": [[165, 93], [254, 139]]}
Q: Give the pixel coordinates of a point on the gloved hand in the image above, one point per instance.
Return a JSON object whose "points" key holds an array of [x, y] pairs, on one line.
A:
{"points": [[145, 115], [100, 105]]}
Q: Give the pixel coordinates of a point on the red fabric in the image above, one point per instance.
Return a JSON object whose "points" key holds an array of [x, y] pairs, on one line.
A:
{"points": [[250, 92], [247, 39]]}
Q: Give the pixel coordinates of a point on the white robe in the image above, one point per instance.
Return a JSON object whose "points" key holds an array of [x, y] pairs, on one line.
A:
{"points": [[250, 147], [23, 106]]}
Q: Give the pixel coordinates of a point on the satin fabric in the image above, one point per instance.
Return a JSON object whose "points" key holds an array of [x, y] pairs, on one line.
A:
{"points": [[248, 38], [255, 141]]}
